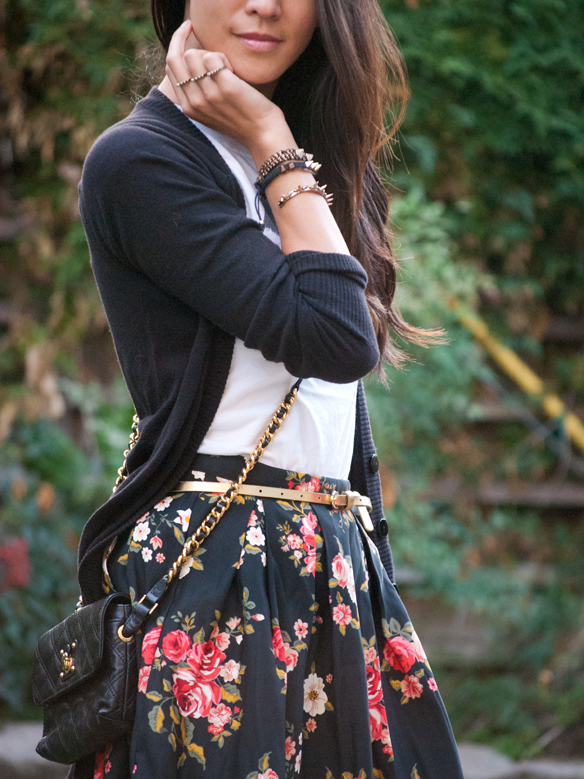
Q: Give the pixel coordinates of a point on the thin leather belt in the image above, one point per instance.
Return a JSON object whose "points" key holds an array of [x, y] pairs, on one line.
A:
{"points": [[347, 500]]}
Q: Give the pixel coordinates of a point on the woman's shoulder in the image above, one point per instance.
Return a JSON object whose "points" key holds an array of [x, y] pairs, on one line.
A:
{"points": [[156, 130]]}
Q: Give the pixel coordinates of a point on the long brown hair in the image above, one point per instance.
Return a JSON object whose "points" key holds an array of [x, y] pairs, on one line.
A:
{"points": [[344, 99]]}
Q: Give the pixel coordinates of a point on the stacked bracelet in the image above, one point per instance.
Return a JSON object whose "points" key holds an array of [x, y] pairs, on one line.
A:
{"points": [[310, 166], [299, 190], [282, 156], [282, 162]]}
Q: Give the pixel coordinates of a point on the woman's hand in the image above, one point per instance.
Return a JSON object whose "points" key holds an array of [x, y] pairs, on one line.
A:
{"points": [[223, 102]]}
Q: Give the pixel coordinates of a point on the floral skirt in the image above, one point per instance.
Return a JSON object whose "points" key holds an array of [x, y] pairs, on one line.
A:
{"points": [[283, 650]]}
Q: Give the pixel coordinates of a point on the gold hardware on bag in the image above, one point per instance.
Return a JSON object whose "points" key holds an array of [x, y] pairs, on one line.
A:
{"points": [[67, 660]]}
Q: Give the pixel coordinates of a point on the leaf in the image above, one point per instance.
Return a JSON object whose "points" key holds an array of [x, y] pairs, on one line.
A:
{"points": [[156, 719], [197, 752], [123, 560], [172, 739], [178, 535], [181, 760], [264, 763], [235, 724], [174, 715], [286, 506], [377, 774], [355, 623], [329, 706], [249, 629], [166, 685], [281, 673], [395, 684], [230, 693], [394, 626], [154, 696]]}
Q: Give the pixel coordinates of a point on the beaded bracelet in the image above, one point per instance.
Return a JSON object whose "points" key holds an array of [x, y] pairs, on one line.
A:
{"points": [[309, 166], [299, 190], [283, 156]]}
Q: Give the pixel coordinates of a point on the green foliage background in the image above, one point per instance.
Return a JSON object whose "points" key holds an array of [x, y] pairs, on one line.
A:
{"points": [[489, 207]]}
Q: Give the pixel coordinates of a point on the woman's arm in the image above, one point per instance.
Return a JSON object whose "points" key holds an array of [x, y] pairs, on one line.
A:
{"points": [[233, 107], [153, 197]]}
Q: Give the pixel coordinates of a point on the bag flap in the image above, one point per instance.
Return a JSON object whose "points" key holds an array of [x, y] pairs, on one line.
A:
{"points": [[71, 652]]}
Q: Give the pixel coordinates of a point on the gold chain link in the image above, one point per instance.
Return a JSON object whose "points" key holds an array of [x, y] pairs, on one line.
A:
{"points": [[134, 436], [212, 519]]}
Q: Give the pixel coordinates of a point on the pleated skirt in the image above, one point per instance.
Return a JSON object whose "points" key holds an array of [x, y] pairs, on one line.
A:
{"points": [[283, 650]]}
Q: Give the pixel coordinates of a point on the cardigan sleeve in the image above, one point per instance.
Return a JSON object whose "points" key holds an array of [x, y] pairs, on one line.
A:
{"points": [[154, 202]]}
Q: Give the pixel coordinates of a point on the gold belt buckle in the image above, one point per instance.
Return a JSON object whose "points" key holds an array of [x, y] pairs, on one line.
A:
{"points": [[346, 501]]}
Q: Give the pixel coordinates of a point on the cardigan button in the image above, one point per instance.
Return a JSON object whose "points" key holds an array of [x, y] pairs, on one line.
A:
{"points": [[382, 527], [374, 463]]}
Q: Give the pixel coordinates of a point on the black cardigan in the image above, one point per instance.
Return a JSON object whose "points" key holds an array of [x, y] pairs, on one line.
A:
{"points": [[182, 271]]}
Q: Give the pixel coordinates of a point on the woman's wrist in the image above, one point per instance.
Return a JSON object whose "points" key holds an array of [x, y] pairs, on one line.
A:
{"points": [[273, 139]]}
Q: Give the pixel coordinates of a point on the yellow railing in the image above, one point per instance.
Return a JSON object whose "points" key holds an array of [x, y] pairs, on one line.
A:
{"points": [[521, 373]]}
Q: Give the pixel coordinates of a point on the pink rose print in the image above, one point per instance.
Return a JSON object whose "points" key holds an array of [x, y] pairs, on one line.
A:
{"points": [[301, 629], [278, 644], [310, 561], [294, 541], [156, 542], [290, 747], [399, 653], [269, 774], [341, 570], [222, 640], [149, 644], [160, 558], [432, 684], [219, 717], [108, 766], [329, 678], [311, 725], [342, 614], [176, 645], [386, 741], [205, 660], [374, 691], [370, 654], [377, 720], [411, 687], [230, 670], [143, 677], [418, 648], [291, 657], [309, 523], [309, 486], [194, 697]]}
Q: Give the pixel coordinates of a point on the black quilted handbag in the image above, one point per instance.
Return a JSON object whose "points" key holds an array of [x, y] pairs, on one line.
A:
{"points": [[85, 678], [86, 668]]}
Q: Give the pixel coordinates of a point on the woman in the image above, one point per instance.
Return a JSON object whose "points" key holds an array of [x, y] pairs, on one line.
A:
{"points": [[283, 649]]}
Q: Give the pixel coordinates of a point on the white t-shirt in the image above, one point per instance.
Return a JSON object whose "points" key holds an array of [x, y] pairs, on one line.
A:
{"points": [[317, 437]]}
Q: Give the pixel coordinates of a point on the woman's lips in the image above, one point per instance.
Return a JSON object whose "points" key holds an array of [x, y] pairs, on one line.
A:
{"points": [[258, 41]]}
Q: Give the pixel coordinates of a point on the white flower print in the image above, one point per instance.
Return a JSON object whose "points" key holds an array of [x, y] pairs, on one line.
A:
{"points": [[233, 622], [260, 505], [164, 503], [301, 629], [199, 475], [147, 554], [315, 697], [183, 519], [263, 558], [141, 531], [255, 537], [298, 762]]}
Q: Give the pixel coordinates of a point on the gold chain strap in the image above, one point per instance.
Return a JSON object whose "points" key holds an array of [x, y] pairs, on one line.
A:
{"points": [[134, 436], [212, 519]]}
